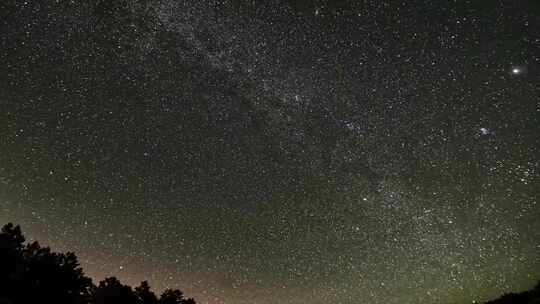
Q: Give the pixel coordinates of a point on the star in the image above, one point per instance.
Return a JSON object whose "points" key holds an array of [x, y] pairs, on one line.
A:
{"points": [[518, 70], [485, 131]]}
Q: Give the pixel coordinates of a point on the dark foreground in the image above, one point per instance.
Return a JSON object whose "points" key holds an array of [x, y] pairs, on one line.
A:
{"points": [[30, 273]]}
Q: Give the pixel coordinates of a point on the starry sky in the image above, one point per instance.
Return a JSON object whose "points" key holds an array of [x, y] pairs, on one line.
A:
{"points": [[280, 151]]}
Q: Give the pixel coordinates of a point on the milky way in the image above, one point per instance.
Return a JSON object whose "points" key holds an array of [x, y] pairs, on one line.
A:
{"points": [[278, 151]]}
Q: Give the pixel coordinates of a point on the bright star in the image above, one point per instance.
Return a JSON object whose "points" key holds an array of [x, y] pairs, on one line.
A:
{"points": [[518, 70], [485, 131]]}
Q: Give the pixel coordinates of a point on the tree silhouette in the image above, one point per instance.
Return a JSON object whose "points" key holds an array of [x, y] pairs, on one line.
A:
{"points": [[145, 295], [527, 297], [11, 262], [112, 291], [34, 274], [174, 296], [189, 301], [54, 276]]}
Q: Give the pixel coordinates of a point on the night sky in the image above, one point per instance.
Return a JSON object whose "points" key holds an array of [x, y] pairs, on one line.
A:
{"points": [[262, 152]]}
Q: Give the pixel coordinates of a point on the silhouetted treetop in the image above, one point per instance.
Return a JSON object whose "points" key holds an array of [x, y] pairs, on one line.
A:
{"points": [[31, 273], [171, 296], [527, 297], [145, 295], [112, 291], [34, 274], [11, 237]]}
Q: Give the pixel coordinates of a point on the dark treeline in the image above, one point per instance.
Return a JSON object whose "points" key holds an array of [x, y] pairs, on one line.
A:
{"points": [[30, 273], [527, 297]]}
